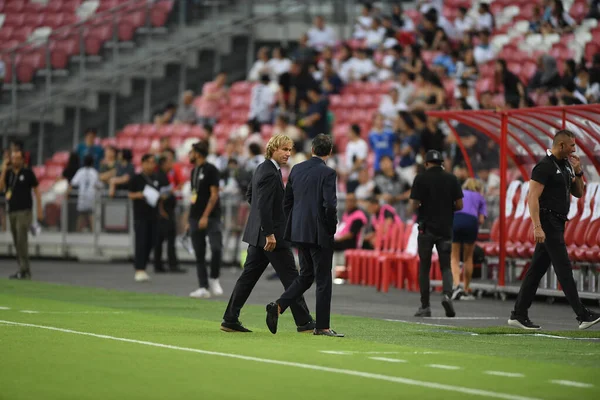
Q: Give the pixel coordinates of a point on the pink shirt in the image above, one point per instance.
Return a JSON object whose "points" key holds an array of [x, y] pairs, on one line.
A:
{"points": [[209, 108]]}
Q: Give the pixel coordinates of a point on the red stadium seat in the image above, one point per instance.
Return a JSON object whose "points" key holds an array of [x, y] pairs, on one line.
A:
{"points": [[132, 130]]}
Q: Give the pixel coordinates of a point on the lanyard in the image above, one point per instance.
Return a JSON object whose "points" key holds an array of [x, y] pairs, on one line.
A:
{"points": [[148, 181], [13, 180], [196, 176]]}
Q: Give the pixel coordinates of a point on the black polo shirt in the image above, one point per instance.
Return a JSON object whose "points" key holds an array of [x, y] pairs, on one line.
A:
{"points": [[166, 189], [437, 190], [556, 176], [20, 186], [141, 209], [203, 177]]}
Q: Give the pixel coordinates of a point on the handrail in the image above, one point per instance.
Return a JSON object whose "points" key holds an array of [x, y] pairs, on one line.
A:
{"points": [[125, 69]]}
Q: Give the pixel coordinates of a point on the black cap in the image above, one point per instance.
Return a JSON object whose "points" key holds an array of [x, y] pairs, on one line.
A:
{"points": [[434, 156]]}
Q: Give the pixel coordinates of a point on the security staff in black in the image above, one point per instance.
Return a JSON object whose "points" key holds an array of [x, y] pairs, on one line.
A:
{"points": [[436, 195], [553, 180], [144, 215], [205, 220]]}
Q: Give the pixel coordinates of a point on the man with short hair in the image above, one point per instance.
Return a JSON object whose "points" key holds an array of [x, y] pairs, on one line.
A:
{"points": [[90, 147], [264, 234], [205, 220], [310, 204], [186, 112], [553, 180], [435, 195], [17, 182], [144, 214]]}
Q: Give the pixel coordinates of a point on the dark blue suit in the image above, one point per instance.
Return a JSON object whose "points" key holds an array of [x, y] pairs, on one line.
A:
{"points": [[311, 207], [265, 195]]}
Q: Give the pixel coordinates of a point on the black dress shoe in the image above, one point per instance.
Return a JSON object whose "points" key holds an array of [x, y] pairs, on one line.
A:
{"points": [[21, 275], [272, 317], [307, 328], [327, 332], [178, 270], [423, 312], [233, 327]]}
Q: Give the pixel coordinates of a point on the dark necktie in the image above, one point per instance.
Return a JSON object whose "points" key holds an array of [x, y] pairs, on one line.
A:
{"points": [[280, 176]]}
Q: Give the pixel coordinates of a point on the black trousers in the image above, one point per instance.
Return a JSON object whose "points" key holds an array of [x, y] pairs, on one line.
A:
{"points": [[257, 261], [215, 237], [344, 244], [166, 230], [315, 264], [553, 250], [145, 237], [443, 245]]}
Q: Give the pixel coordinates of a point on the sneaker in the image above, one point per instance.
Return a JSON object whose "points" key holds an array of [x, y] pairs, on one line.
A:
{"points": [[448, 307], [423, 312], [523, 323], [467, 297], [141, 276], [592, 318], [215, 287], [457, 293], [21, 275], [201, 293]]}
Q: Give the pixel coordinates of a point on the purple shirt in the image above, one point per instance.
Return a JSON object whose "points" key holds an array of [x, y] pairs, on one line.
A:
{"points": [[473, 204]]}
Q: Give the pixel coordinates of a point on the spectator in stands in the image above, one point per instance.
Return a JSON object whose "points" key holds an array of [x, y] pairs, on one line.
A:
{"points": [[256, 157], [569, 71], [568, 95], [303, 54], [229, 153], [485, 19], [300, 79], [320, 35], [279, 63], [360, 68], [73, 164], [463, 24], [447, 60], [547, 76], [186, 113], [428, 30], [466, 69], [375, 35], [405, 87], [261, 66], [89, 146], [18, 182], [535, 25], [401, 21], [388, 65], [108, 166], [432, 137], [392, 188], [172, 169], [363, 21], [357, 152], [166, 115], [514, 91], [363, 188], [464, 234], [466, 98], [486, 101], [262, 101], [410, 144], [350, 229], [429, 94], [590, 91], [594, 12], [381, 140], [213, 93], [383, 216], [390, 106], [17, 145], [483, 51], [87, 183], [123, 174], [316, 120], [229, 178], [461, 172], [344, 63], [211, 140], [560, 19], [331, 83], [595, 69]]}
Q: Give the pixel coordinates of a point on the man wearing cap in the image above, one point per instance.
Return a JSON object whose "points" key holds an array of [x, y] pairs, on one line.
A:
{"points": [[435, 195]]}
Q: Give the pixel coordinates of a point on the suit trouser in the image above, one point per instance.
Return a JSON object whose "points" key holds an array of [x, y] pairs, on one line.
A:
{"points": [[257, 261], [315, 264], [145, 237], [20, 221], [554, 251], [443, 245], [215, 237], [166, 230]]}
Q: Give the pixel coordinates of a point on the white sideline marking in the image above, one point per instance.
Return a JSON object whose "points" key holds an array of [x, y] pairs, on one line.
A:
{"points": [[572, 383], [394, 379], [4, 308], [440, 366], [463, 318], [30, 312], [418, 323], [348, 352], [394, 360], [507, 374], [343, 353]]}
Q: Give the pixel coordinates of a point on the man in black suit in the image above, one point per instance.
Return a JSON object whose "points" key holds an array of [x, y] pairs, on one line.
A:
{"points": [[264, 235], [311, 207]]}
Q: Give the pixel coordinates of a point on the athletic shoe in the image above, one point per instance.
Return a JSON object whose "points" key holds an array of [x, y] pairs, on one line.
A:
{"points": [[457, 293], [21, 276], [215, 287], [234, 327], [467, 297], [448, 307], [592, 318], [523, 323], [201, 293], [423, 312], [141, 276]]}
